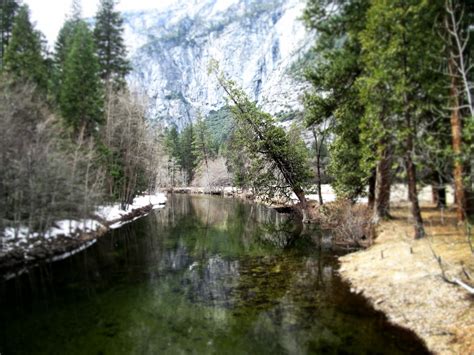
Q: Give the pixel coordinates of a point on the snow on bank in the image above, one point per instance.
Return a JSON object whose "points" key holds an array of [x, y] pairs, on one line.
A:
{"points": [[398, 194], [115, 212], [21, 237]]}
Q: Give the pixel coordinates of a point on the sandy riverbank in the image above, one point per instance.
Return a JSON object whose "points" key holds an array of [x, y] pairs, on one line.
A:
{"points": [[401, 277]]}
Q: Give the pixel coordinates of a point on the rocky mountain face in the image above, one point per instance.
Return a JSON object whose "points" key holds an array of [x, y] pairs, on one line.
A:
{"points": [[256, 42]]}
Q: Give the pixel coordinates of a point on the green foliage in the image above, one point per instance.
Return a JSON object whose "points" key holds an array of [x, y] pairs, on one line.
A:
{"points": [[399, 83], [237, 162], [181, 147], [110, 46], [81, 98], [61, 50], [23, 57], [334, 98], [277, 162], [172, 142], [202, 143], [220, 125], [187, 154], [8, 10]]}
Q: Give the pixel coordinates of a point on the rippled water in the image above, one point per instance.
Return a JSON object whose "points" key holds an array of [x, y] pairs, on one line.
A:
{"points": [[203, 275]]}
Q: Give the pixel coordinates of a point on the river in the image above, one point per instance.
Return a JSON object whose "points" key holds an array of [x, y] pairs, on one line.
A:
{"points": [[204, 275]]}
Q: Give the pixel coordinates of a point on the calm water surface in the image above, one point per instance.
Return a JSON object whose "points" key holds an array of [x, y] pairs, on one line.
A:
{"points": [[205, 275]]}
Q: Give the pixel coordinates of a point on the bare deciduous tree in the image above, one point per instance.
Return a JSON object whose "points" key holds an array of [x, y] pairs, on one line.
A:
{"points": [[134, 151], [44, 176]]}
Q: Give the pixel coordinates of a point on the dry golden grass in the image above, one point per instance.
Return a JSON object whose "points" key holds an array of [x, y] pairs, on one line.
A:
{"points": [[402, 278]]}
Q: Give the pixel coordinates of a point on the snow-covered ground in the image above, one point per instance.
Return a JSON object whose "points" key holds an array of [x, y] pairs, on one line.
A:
{"points": [[20, 237], [114, 212], [398, 193]]}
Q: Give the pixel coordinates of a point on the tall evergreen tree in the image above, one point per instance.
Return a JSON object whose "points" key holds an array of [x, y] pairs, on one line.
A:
{"points": [[8, 10], [279, 163], [111, 50], [61, 50], [202, 144], [335, 97], [23, 58], [188, 159], [457, 20], [172, 150], [398, 84], [81, 98], [63, 46]]}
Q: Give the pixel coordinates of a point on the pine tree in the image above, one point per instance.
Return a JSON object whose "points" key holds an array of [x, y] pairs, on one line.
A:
{"points": [[187, 159], [202, 144], [81, 98], [61, 50], [172, 150], [23, 58], [457, 20], [398, 87], [279, 165], [335, 97], [63, 46], [8, 10], [111, 50]]}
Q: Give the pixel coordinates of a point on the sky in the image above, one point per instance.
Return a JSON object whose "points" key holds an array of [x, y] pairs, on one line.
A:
{"points": [[49, 15]]}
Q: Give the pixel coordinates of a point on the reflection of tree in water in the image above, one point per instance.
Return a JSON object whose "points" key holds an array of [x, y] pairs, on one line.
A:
{"points": [[283, 234], [197, 272]]}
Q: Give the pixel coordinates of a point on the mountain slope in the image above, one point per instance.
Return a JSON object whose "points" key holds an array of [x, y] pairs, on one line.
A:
{"points": [[255, 42]]}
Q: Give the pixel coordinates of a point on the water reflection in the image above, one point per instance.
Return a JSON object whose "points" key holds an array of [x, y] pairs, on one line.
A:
{"points": [[203, 275]]}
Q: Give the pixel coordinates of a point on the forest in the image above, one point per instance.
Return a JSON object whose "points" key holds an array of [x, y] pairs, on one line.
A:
{"points": [[388, 105], [389, 101], [73, 134]]}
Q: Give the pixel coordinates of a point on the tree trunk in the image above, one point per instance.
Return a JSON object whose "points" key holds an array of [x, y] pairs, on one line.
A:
{"points": [[468, 191], [318, 170], [371, 195], [439, 195], [438, 191], [442, 197], [382, 186], [456, 68], [318, 146], [456, 133], [305, 208], [412, 191]]}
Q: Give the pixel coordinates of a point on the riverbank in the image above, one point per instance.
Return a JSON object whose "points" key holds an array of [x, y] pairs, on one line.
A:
{"points": [[21, 248], [402, 278]]}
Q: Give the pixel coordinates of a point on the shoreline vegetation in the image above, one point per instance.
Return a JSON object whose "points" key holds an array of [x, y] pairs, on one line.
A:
{"points": [[399, 275], [388, 269], [22, 249], [74, 136]]}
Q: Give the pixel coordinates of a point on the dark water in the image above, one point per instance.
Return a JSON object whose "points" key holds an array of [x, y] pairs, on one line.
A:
{"points": [[203, 275]]}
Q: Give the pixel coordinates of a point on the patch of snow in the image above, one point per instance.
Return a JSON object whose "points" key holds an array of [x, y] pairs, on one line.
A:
{"points": [[20, 237], [69, 227], [142, 201], [110, 213], [16, 233], [114, 212]]}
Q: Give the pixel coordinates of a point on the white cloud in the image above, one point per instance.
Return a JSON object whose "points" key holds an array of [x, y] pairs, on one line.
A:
{"points": [[49, 15]]}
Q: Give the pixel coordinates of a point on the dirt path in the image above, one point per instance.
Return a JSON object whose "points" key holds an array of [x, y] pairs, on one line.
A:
{"points": [[401, 277]]}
